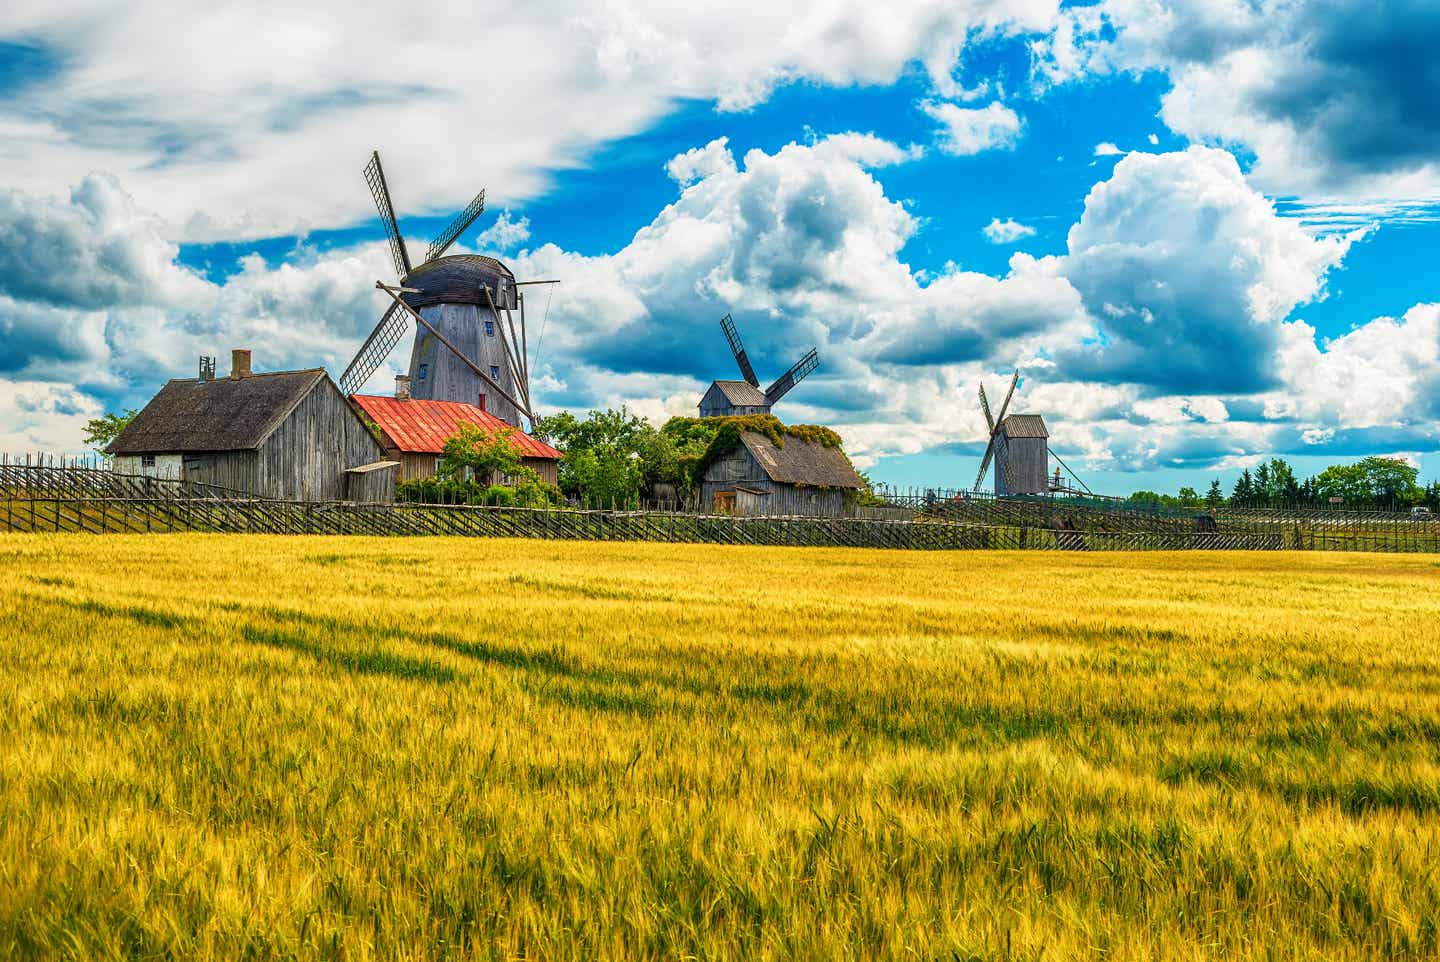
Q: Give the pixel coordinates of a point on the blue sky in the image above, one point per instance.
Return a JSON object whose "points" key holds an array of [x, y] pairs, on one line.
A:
{"points": [[1194, 267]]}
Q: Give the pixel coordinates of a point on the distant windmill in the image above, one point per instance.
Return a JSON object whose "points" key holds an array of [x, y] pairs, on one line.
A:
{"points": [[467, 345], [745, 397], [1018, 445]]}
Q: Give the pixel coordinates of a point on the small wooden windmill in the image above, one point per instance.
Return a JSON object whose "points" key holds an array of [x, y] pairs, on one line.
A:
{"points": [[1019, 446], [745, 397]]}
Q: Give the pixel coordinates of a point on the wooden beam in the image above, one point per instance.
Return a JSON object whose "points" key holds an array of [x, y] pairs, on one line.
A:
{"points": [[515, 372]]}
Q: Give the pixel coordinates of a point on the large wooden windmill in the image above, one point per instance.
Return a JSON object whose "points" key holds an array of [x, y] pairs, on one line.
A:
{"points": [[1019, 446], [467, 346], [745, 397]]}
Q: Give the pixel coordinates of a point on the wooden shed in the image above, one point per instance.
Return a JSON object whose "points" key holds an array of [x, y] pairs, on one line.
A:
{"points": [[799, 477], [287, 434], [414, 432], [1022, 459]]}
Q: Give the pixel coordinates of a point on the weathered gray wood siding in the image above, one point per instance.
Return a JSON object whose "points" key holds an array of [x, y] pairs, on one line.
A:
{"points": [[740, 468], [437, 374], [371, 487], [715, 404], [1022, 466], [238, 470], [548, 470], [413, 465], [306, 457]]}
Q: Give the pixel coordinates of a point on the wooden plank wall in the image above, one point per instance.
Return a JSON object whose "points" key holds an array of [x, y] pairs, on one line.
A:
{"points": [[306, 457], [741, 468], [1021, 466]]}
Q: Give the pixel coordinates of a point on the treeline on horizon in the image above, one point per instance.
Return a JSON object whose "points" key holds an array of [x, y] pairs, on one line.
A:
{"points": [[1373, 483]]}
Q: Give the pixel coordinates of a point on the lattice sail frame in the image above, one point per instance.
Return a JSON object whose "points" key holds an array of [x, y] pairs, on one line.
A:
{"points": [[797, 373], [375, 179]]}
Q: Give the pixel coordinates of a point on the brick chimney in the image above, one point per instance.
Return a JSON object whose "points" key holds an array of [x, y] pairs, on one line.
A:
{"points": [[402, 387], [239, 363]]}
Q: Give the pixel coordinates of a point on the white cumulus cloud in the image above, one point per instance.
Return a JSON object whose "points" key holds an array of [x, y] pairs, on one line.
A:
{"points": [[1006, 231], [970, 130]]}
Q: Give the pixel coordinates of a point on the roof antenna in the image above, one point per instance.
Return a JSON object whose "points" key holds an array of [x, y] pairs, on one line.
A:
{"points": [[207, 369]]}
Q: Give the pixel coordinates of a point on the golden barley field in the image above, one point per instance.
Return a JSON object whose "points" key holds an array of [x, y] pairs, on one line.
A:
{"points": [[226, 747]]}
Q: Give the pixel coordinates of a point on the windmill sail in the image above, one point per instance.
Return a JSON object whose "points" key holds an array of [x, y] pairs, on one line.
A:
{"points": [[792, 377], [457, 227], [732, 334], [375, 350], [985, 462], [997, 434], [1008, 395], [375, 178]]}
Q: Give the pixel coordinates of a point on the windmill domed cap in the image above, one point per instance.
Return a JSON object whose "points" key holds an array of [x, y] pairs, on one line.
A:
{"points": [[458, 279]]}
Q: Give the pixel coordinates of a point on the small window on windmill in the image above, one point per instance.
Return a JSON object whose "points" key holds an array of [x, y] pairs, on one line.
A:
{"points": [[147, 460], [494, 373], [424, 370], [489, 328]]}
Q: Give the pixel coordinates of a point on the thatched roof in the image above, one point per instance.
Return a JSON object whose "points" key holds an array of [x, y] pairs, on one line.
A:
{"points": [[802, 462], [215, 415]]}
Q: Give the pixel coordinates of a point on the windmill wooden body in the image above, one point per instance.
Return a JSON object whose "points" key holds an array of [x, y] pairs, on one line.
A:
{"points": [[725, 398], [469, 344]]}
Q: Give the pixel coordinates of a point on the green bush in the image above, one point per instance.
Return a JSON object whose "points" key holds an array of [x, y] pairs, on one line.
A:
{"points": [[527, 494]]}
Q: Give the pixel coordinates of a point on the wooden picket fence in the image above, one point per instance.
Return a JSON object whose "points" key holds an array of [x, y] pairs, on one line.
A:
{"points": [[57, 498], [105, 515]]}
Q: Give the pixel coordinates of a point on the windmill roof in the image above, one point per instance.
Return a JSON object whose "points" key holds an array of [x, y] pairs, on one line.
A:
{"points": [[461, 279], [742, 393], [801, 462], [215, 415], [1024, 426], [419, 426]]}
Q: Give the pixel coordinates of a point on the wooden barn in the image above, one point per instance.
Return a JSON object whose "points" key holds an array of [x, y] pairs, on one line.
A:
{"points": [[1022, 458], [285, 434], [414, 431], [800, 478]]}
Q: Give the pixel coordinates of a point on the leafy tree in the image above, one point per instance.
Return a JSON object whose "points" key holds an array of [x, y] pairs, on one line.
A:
{"points": [[484, 455], [1189, 497], [1392, 481], [604, 476], [1344, 481], [1388, 482], [99, 432], [606, 454]]}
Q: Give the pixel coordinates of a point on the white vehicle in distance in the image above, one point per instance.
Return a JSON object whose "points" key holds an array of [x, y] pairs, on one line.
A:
{"points": [[1421, 514]]}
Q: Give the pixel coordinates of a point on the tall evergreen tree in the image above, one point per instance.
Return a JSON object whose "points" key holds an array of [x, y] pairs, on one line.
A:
{"points": [[1244, 488]]}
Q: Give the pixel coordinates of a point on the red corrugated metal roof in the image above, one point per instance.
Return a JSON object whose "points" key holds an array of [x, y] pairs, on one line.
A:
{"points": [[422, 427]]}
